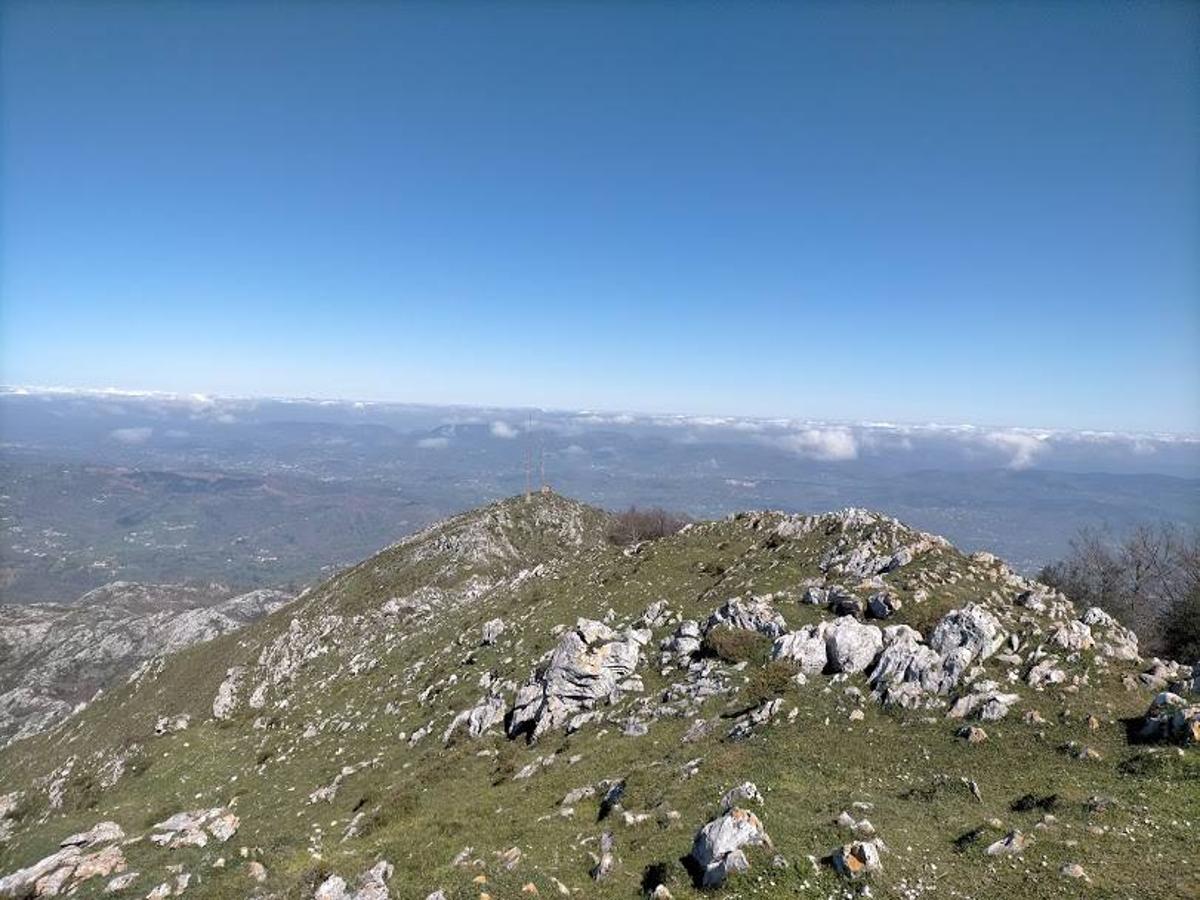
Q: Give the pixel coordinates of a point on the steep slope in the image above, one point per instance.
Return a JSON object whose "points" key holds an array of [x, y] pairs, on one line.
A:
{"points": [[55, 657], [504, 705]]}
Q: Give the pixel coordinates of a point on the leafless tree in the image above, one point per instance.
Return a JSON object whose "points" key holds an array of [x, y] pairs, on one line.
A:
{"points": [[1148, 579], [635, 525]]}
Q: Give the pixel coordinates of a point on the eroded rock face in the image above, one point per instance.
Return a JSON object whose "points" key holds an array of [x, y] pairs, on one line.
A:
{"points": [[683, 644], [718, 847], [883, 605], [1073, 636], [910, 672], [591, 664], [752, 614], [54, 657]]}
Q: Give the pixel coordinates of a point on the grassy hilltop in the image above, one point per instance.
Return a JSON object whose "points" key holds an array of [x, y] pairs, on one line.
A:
{"points": [[322, 732]]}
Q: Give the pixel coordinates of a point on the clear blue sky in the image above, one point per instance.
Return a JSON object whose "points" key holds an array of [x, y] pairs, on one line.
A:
{"points": [[963, 212]]}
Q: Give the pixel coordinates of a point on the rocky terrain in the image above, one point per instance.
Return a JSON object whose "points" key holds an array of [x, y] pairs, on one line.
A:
{"points": [[54, 657], [504, 705]]}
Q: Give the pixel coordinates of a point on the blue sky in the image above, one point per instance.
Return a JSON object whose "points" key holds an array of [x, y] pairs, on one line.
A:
{"points": [[948, 212]]}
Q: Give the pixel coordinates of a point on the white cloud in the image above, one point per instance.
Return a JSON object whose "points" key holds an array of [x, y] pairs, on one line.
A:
{"points": [[502, 429], [433, 443], [828, 444], [574, 450], [1023, 446], [131, 435]]}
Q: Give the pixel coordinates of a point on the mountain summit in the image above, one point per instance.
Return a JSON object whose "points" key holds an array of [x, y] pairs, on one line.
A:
{"points": [[508, 704]]}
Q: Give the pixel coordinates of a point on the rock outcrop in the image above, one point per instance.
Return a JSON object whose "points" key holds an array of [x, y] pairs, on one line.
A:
{"points": [[591, 665], [54, 658]]}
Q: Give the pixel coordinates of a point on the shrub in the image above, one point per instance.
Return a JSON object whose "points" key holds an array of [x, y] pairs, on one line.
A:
{"points": [[736, 645], [769, 681]]}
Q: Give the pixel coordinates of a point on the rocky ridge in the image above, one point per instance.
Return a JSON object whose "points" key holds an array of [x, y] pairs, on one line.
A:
{"points": [[504, 704], [54, 658]]}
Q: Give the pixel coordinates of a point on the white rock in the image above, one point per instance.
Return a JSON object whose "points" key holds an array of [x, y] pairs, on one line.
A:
{"points": [[718, 846]]}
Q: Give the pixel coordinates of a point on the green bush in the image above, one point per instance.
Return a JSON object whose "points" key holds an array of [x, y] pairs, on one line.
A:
{"points": [[770, 680]]}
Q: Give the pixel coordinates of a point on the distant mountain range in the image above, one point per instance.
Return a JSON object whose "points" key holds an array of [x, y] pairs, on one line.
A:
{"points": [[103, 486]]}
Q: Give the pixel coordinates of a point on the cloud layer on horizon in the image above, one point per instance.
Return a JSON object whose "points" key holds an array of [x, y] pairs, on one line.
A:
{"points": [[135, 415]]}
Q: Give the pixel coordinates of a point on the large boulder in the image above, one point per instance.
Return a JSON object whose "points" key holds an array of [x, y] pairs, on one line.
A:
{"points": [[852, 646], [966, 636], [684, 643], [718, 847], [908, 670], [805, 647], [1172, 718], [591, 664], [486, 714]]}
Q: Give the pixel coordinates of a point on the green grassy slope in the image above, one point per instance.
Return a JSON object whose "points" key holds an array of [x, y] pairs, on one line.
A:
{"points": [[350, 677]]}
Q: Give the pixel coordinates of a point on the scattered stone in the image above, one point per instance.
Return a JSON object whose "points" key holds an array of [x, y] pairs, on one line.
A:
{"points": [[972, 734], [603, 864], [985, 701], [746, 791], [858, 858], [491, 631], [188, 829], [1012, 844], [1074, 870]]}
